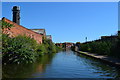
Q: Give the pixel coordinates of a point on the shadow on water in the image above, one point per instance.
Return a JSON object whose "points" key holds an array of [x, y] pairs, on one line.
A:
{"points": [[26, 70]]}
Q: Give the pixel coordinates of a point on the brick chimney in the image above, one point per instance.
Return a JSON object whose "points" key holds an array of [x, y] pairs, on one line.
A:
{"points": [[16, 14]]}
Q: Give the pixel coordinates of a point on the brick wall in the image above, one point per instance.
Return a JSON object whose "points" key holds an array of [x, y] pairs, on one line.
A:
{"points": [[20, 30]]}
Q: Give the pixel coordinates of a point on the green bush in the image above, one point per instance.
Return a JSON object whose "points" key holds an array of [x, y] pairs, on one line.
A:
{"points": [[22, 49], [50, 47], [115, 51], [19, 49], [58, 48], [41, 50], [106, 47]]}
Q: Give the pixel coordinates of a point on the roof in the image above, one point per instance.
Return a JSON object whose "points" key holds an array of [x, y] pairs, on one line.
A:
{"points": [[20, 30], [40, 31], [37, 29], [16, 24], [49, 37]]}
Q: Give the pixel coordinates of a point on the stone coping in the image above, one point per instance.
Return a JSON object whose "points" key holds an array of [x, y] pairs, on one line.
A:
{"points": [[107, 59]]}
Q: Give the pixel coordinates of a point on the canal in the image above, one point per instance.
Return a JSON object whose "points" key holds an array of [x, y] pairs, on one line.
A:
{"points": [[64, 64]]}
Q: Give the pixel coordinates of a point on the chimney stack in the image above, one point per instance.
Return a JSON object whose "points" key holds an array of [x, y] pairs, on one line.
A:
{"points": [[16, 14]]}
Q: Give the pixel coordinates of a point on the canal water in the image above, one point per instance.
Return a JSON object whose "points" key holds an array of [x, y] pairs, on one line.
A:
{"points": [[64, 64]]}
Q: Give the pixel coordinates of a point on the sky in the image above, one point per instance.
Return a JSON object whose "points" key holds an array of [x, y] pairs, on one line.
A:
{"points": [[68, 21], [60, 0]]}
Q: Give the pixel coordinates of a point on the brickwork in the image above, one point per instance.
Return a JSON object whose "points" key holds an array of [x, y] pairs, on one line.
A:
{"points": [[20, 30], [65, 44]]}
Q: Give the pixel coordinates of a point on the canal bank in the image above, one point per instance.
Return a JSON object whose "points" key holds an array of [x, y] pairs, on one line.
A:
{"points": [[106, 59]]}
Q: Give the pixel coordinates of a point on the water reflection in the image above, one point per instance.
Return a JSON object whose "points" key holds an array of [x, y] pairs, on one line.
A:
{"points": [[65, 64], [26, 70], [99, 66]]}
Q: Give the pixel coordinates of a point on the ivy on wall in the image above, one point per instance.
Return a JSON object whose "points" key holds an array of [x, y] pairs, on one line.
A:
{"points": [[5, 25]]}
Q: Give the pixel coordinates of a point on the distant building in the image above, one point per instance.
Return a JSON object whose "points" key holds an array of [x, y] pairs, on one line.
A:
{"points": [[59, 44], [68, 44], [108, 37], [49, 37], [65, 44], [40, 31]]}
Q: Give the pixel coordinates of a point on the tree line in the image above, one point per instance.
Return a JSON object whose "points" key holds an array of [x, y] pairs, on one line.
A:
{"points": [[109, 47]]}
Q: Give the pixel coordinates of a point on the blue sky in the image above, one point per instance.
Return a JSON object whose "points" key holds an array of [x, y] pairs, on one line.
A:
{"points": [[68, 21]]}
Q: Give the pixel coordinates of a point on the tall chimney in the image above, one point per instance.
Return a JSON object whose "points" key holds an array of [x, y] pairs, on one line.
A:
{"points": [[16, 14]]}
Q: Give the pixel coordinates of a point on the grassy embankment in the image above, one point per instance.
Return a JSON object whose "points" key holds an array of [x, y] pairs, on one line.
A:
{"points": [[102, 47]]}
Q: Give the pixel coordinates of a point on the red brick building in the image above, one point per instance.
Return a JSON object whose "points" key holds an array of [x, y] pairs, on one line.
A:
{"points": [[20, 30], [65, 45], [37, 34]]}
